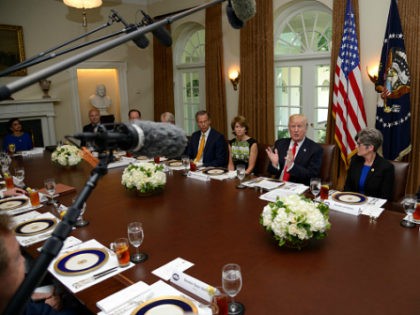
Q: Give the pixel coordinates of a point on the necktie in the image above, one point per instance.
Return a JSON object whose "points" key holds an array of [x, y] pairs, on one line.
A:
{"points": [[286, 174], [200, 148]]}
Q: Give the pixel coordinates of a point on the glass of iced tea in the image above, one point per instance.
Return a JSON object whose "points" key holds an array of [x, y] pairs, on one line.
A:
{"points": [[34, 197], [120, 247], [325, 189], [8, 179], [220, 302], [416, 214]]}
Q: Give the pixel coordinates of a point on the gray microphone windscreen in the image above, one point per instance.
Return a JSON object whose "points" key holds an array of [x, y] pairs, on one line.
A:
{"points": [[244, 9], [161, 139]]}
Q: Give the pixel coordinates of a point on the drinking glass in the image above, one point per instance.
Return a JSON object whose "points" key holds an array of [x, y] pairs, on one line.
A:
{"points": [[186, 163], [409, 203], [232, 284], [136, 236], [80, 221], [315, 186], [49, 185], [20, 175], [240, 173]]}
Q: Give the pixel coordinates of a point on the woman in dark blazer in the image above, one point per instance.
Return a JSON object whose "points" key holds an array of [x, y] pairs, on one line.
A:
{"points": [[369, 173]]}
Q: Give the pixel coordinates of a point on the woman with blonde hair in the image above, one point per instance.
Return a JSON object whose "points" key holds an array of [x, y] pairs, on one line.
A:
{"points": [[242, 149]]}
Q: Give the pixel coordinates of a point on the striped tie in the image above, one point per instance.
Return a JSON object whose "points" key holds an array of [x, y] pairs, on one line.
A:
{"points": [[200, 148]]}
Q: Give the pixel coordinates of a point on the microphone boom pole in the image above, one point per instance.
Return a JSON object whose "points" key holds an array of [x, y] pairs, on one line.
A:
{"points": [[8, 89]]}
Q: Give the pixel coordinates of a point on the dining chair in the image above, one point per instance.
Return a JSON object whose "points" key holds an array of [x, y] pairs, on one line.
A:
{"points": [[400, 184], [328, 162]]}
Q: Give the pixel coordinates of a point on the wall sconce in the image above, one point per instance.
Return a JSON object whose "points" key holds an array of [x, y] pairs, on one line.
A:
{"points": [[83, 4], [234, 78], [372, 73]]}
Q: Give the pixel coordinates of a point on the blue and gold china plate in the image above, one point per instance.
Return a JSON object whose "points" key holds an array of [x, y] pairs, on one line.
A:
{"points": [[215, 171], [166, 305], [351, 198], [13, 203], [35, 226], [81, 261]]}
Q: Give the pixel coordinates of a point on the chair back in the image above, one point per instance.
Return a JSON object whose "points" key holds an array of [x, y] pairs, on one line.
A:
{"points": [[328, 162], [400, 180], [261, 167]]}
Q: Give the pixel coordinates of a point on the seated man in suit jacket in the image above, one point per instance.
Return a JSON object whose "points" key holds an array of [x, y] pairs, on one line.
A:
{"points": [[207, 146], [297, 158]]}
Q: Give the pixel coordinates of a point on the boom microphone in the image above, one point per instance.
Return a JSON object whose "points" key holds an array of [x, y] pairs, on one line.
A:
{"points": [[160, 33], [232, 18], [142, 137], [141, 41], [244, 9]]}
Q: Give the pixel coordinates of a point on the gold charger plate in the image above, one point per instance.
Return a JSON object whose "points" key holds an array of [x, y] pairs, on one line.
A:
{"points": [[351, 198], [81, 261], [35, 226], [13, 203], [175, 163], [215, 171], [166, 305]]}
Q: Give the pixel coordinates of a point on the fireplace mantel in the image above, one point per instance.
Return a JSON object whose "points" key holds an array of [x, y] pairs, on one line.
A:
{"points": [[42, 109]]}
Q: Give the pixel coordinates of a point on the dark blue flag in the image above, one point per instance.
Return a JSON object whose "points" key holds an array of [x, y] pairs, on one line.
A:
{"points": [[393, 110]]}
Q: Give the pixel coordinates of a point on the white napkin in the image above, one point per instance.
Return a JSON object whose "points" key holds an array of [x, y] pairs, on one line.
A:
{"points": [[29, 240], [199, 176], [113, 303], [122, 297], [178, 264], [124, 161], [34, 151], [69, 280], [228, 175], [287, 189]]}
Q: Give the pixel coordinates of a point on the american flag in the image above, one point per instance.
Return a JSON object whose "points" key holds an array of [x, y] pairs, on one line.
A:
{"points": [[348, 108]]}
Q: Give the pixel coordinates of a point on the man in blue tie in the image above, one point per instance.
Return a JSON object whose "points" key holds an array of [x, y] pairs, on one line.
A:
{"points": [[207, 146], [297, 158]]}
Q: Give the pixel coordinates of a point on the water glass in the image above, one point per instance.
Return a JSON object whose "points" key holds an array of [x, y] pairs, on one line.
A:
{"points": [[409, 204], [240, 173], [136, 236], [232, 284], [315, 186], [186, 163]]}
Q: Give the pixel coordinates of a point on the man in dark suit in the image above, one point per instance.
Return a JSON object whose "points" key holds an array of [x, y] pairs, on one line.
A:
{"points": [[94, 121], [297, 158], [207, 146]]}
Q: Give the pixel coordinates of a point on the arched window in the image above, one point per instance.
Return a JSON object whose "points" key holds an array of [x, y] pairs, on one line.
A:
{"points": [[302, 66], [189, 74]]}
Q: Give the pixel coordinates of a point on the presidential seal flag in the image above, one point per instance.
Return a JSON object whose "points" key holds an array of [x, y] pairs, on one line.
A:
{"points": [[348, 107], [393, 84]]}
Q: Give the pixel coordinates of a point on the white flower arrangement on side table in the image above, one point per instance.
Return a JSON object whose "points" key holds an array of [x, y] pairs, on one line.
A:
{"points": [[294, 220], [66, 155], [145, 178]]}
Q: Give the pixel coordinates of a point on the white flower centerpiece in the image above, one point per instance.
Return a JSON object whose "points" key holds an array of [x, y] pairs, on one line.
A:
{"points": [[66, 155], [294, 220], [145, 178]]}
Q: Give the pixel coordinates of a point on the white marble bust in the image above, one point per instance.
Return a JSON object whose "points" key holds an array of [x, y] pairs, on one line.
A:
{"points": [[100, 100]]}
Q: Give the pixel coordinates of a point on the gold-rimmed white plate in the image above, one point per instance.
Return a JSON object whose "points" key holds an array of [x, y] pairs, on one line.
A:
{"points": [[81, 261], [215, 171], [351, 198], [166, 305], [13, 203], [35, 226], [175, 163]]}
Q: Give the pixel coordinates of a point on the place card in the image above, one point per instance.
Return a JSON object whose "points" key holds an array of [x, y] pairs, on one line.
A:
{"points": [[193, 285], [178, 264]]}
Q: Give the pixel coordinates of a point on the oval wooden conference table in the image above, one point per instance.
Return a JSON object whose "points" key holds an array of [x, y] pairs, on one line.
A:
{"points": [[360, 268]]}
